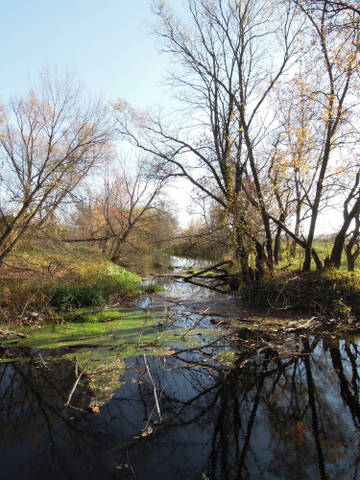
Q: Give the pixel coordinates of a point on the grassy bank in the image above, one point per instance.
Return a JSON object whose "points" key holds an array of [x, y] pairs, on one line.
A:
{"points": [[38, 285]]}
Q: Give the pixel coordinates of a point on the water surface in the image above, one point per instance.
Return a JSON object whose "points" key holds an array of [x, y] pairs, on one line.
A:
{"points": [[191, 415]]}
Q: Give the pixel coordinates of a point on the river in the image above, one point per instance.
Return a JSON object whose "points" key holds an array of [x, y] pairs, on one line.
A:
{"points": [[201, 411]]}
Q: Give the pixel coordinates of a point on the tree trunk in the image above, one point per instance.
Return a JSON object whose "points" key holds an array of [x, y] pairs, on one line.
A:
{"points": [[277, 242], [297, 229], [351, 255], [260, 262], [336, 252], [242, 256]]}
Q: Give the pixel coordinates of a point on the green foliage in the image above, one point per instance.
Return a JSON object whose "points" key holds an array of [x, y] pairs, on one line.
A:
{"points": [[340, 308], [151, 288], [66, 297], [49, 281]]}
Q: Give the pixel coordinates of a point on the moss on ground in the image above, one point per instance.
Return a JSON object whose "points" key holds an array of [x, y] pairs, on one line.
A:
{"points": [[99, 344], [127, 334]]}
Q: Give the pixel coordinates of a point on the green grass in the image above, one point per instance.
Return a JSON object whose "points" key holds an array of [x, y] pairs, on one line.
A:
{"points": [[157, 264], [94, 289], [331, 292], [51, 282], [323, 247], [191, 271], [151, 288]]}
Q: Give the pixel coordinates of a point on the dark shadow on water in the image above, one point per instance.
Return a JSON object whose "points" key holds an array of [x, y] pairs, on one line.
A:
{"points": [[276, 418]]}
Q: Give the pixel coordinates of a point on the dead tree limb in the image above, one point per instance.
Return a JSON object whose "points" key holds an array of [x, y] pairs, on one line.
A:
{"points": [[213, 267]]}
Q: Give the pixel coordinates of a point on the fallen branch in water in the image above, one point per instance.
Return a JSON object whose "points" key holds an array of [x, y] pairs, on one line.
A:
{"points": [[209, 269], [202, 316], [198, 284], [201, 347], [83, 371], [67, 403], [42, 361], [154, 389]]}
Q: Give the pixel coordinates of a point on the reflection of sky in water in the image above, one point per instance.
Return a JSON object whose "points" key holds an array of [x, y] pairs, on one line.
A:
{"points": [[185, 290]]}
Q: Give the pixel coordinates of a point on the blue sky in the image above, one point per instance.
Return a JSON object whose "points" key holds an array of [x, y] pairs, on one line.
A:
{"points": [[106, 44]]}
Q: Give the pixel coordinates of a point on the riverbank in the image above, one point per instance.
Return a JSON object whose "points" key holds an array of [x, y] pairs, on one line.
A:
{"points": [[40, 286]]}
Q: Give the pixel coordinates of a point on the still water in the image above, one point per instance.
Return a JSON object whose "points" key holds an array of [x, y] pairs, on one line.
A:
{"points": [[187, 416]]}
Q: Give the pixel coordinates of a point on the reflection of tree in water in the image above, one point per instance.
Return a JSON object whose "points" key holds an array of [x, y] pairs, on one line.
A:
{"points": [[39, 437], [274, 418], [277, 418], [287, 421]]}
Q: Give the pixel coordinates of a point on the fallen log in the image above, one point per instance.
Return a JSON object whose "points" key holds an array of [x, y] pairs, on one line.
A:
{"points": [[213, 267]]}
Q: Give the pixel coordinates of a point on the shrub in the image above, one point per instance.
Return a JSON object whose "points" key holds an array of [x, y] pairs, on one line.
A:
{"points": [[331, 292]]}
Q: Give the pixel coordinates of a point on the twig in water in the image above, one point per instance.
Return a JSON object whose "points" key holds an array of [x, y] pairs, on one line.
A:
{"points": [[42, 361], [142, 329], [67, 403], [202, 316], [154, 389], [9, 333], [128, 460]]}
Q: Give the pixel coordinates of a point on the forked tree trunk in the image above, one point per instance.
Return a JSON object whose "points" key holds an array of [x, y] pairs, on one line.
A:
{"points": [[339, 242]]}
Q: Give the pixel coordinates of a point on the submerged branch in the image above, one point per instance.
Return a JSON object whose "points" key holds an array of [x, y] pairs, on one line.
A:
{"points": [[154, 389]]}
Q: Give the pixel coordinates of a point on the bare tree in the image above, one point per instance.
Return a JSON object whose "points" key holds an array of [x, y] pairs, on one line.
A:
{"points": [[129, 202], [227, 52], [351, 213], [335, 7], [49, 141], [352, 247], [238, 149], [336, 63]]}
